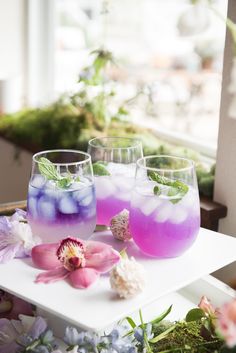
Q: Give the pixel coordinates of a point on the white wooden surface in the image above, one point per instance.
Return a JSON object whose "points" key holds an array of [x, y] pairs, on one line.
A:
{"points": [[97, 307]]}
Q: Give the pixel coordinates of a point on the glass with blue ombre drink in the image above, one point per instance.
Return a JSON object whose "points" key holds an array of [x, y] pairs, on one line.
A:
{"points": [[61, 196]]}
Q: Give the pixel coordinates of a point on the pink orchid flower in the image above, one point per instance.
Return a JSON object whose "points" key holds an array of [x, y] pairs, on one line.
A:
{"points": [[226, 323], [80, 261], [206, 306]]}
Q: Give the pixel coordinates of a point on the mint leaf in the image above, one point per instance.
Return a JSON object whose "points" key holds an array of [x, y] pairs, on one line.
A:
{"points": [[177, 187], [64, 182], [195, 314], [157, 190], [100, 169], [48, 169]]}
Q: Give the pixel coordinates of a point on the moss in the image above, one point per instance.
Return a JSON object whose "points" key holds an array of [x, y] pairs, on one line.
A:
{"points": [[186, 337], [67, 125]]}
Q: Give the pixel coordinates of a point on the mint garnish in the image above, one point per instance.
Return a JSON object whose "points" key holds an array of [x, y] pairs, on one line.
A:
{"points": [[100, 169], [48, 169], [177, 187]]}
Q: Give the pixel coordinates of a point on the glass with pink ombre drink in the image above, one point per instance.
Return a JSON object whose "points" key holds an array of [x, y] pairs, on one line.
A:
{"points": [[61, 195], [165, 211], [114, 164]]}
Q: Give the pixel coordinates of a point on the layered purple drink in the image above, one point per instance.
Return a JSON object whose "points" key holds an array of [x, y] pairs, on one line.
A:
{"points": [[60, 203], [165, 211], [113, 191]]}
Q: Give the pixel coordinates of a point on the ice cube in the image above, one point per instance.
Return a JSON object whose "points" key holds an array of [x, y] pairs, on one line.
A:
{"points": [[38, 181], [86, 201], [126, 170], [32, 206], [67, 205], [46, 208], [149, 205], [123, 183], [178, 215], [164, 212], [104, 187], [123, 196]]}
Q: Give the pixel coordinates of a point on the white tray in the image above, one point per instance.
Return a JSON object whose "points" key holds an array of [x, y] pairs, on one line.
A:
{"points": [[97, 307]]}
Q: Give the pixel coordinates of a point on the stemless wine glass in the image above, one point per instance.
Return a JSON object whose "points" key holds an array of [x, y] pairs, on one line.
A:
{"points": [[114, 163], [61, 195], [165, 211]]}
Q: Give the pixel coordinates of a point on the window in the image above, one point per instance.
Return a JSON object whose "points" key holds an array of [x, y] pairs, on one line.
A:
{"points": [[176, 80]]}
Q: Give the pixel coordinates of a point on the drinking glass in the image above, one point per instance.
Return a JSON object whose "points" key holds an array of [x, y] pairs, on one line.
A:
{"points": [[61, 195], [165, 211], [114, 163]]}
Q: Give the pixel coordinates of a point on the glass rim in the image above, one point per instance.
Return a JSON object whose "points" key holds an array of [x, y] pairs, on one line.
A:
{"points": [[87, 159], [137, 140], [189, 161]]}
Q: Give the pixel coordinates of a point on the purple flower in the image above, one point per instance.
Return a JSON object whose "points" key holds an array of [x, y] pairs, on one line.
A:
{"points": [[16, 238]]}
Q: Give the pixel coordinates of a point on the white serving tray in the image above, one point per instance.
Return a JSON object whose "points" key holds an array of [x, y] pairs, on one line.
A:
{"points": [[97, 307], [182, 301]]}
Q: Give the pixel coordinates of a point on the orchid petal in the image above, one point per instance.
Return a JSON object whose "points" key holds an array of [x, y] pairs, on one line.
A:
{"points": [[44, 256], [83, 277], [52, 275], [101, 257], [19, 215], [5, 226], [8, 252]]}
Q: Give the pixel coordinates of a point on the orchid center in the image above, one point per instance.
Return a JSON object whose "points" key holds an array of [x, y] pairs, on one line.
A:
{"points": [[71, 253]]}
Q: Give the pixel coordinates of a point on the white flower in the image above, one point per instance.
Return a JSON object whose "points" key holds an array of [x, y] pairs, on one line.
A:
{"points": [[127, 278], [120, 226], [22, 234]]}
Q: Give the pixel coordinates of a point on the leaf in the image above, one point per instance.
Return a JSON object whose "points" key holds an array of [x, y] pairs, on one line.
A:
{"points": [[162, 316], [64, 182], [157, 190], [131, 322], [48, 169], [195, 314], [100, 169], [162, 335], [177, 187]]}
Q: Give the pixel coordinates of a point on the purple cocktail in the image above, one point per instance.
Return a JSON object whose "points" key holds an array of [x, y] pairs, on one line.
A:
{"points": [[113, 191], [114, 164], [165, 212], [61, 200]]}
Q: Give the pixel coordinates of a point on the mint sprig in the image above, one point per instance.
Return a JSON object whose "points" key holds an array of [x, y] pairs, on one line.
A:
{"points": [[100, 169], [177, 187], [48, 169]]}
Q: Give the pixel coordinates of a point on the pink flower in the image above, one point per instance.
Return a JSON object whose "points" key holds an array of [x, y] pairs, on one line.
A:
{"points": [[80, 261], [226, 323], [206, 306], [11, 306]]}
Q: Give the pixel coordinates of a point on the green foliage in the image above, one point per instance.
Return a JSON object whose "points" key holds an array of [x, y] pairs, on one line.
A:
{"points": [[195, 314]]}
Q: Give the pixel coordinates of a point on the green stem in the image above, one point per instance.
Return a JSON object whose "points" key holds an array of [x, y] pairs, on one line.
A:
{"points": [[149, 350]]}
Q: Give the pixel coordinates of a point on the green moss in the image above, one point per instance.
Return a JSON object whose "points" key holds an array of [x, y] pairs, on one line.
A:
{"points": [[67, 125], [186, 337]]}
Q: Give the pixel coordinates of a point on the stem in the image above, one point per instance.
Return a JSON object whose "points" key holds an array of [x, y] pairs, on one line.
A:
{"points": [[149, 350]]}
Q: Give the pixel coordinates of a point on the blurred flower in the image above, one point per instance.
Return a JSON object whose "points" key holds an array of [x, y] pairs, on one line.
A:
{"points": [[120, 226], [11, 306], [27, 334], [16, 238], [127, 278], [226, 323], [206, 306], [193, 21], [81, 261]]}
